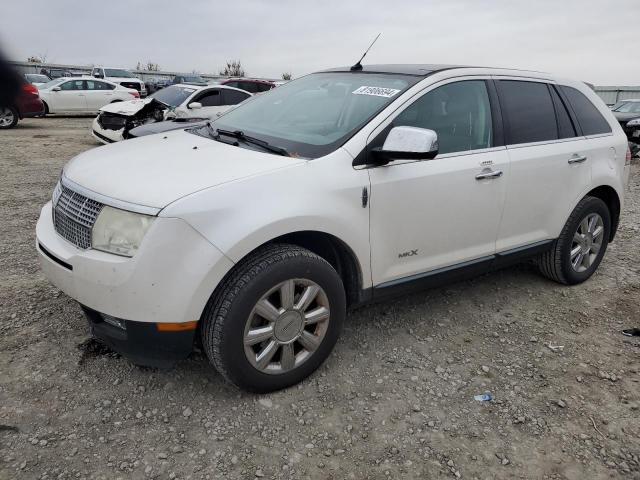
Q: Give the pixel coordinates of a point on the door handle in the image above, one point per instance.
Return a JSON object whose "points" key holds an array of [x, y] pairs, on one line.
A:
{"points": [[577, 159], [493, 174]]}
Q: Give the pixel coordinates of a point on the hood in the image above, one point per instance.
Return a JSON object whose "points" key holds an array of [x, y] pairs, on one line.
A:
{"points": [[128, 108], [625, 117], [157, 170], [159, 127]]}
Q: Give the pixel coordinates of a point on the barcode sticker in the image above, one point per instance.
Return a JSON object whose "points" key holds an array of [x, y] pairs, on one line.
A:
{"points": [[376, 91]]}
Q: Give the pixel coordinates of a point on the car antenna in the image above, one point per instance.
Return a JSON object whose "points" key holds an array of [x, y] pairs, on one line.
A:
{"points": [[358, 66]]}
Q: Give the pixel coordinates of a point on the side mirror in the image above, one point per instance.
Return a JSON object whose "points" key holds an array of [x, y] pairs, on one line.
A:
{"points": [[56, 89], [407, 143], [195, 105]]}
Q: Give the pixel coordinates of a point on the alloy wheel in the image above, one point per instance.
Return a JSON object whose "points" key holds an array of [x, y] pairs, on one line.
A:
{"points": [[587, 242], [286, 326], [6, 117]]}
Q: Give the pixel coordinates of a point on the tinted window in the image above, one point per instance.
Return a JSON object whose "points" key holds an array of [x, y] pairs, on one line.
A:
{"points": [[233, 97], [565, 125], [460, 113], [116, 72], [95, 85], [250, 87], [590, 119], [73, 85], [211, 98], [231, 84], [529, 111], [263, 87]]}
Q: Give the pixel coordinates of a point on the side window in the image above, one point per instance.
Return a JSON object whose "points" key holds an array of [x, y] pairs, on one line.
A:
{"points": [[248, 87], [529, 111], [590, 119], [565, 125], [263, 87], [73, 85], [233, 97], [460, 113], [209, 99], [232, 84]]}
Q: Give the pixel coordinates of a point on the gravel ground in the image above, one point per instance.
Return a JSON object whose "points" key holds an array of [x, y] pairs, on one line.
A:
{"points": [[395, 400]]}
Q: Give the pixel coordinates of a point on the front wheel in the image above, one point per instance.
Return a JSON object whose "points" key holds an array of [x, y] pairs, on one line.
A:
{"points": [[8, 117], [275, 319], [579, 249]]}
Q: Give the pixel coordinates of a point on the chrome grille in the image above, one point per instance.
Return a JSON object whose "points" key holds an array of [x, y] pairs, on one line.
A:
{"points": [[74, 215]]}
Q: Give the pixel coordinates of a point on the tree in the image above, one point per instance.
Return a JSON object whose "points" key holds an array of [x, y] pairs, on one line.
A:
{"points": [[153, 67], [39, 58], [233, 69], [287, 76]]}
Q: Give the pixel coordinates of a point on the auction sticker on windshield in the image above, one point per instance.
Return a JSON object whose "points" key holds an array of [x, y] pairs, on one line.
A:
{"points": [[376, 91]]}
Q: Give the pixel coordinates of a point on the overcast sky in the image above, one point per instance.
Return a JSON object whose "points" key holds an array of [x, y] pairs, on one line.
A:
{"points": [[592, 40]]}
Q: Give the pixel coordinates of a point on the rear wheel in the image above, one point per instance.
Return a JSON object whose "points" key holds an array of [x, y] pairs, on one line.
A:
{"points": [[579, 249], [8, 117], [275, 319]]}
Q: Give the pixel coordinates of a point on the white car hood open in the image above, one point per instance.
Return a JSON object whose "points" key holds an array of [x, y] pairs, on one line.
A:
{"points": [[156, 170], [128, 108]]}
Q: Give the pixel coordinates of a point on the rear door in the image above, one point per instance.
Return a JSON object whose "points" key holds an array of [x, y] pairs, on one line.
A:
{"points": [[98, 94], [549, 162]]}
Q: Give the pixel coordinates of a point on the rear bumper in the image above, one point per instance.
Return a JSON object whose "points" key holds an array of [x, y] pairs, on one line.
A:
{"points": [[30, 106], [140, 342]]}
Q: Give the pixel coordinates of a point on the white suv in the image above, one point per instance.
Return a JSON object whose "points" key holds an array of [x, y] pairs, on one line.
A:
{"points": [[253, 234]]}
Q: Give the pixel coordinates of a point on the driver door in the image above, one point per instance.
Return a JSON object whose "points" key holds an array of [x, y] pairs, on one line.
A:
{"points": [[433, 215], [70, 98], [211, 101]]}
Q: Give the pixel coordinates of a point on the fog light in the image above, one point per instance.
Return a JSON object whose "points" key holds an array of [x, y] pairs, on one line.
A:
{"points": [[116, 322]]}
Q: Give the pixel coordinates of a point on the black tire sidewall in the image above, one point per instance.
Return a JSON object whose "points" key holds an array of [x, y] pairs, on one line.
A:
{"points": [[232, 353], [591, 205]]}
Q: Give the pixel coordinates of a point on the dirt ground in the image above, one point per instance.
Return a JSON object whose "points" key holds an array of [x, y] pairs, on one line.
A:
{"points": [[395, 400]]}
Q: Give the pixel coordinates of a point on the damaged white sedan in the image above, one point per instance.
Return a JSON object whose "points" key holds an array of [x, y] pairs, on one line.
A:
{"points": [[115, 121]]}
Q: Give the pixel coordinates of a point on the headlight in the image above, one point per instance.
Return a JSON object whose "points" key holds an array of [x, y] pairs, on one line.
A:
{"points": [[118, 231], [634, 123]]}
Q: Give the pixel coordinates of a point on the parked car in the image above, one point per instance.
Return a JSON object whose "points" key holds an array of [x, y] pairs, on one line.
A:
{"points": [[155, 84], [628, 114], [25, 104], [187, 79], [36, 79], [121, 77], [258, 230], [177, 101], [250, 84], [66, 95]]}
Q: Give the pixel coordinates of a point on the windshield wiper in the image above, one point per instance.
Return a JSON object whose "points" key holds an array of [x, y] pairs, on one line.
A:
{"points": [[240, 135]]}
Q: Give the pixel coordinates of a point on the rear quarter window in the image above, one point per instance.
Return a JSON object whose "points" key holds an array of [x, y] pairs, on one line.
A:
{"points": [[589, 117]]}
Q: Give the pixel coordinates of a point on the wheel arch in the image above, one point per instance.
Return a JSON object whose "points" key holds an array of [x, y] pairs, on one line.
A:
{"points": [[610, 197]]}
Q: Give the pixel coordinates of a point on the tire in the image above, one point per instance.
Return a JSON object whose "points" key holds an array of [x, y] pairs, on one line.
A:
{"points": [[46, 109], [8, 117], [557, 263], [229, 319]]}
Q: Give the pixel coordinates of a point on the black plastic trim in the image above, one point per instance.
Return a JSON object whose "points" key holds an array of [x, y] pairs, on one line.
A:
{"points": [[453, 273], [53, 258], [102, 137], [141, 342], [498, 139]]}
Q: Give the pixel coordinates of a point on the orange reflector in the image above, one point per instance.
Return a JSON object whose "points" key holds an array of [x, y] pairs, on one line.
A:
{"points": [[176, 327]]}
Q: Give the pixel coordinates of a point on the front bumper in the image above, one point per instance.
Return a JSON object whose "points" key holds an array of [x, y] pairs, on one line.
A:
{"points": [[169, 280], [106, 135], [141, 342]]}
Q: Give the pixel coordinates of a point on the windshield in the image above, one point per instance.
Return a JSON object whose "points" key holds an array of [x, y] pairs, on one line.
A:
{"points": [[52, 83], [36, 78], [630, 107], [313, 115], [116, 72], [195, 79], [173, 95]]}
